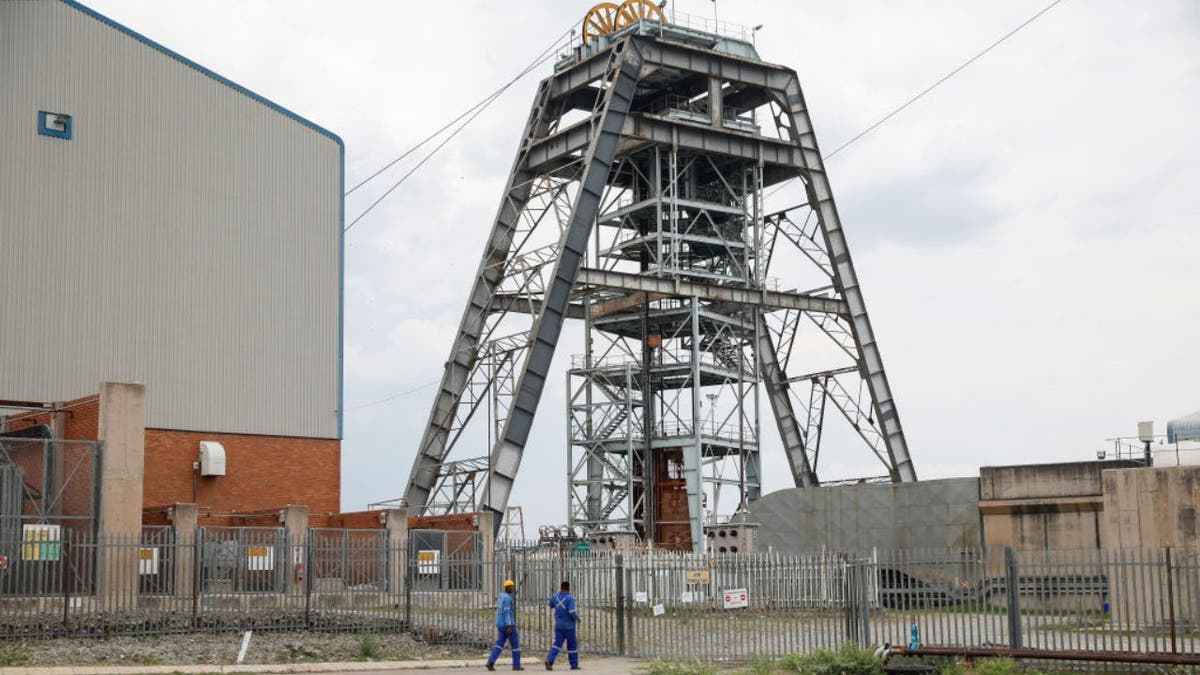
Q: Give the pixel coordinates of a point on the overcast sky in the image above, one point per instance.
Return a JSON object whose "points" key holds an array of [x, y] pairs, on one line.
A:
{"points": [[1026, 235]]}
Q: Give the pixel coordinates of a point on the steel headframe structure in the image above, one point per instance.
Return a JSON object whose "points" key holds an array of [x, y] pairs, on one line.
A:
{"points": [[645, 156]]}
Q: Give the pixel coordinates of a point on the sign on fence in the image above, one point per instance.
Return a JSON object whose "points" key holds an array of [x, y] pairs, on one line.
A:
{"points": [[427, 561], [736, 598], [659, 610], [641, 597], [40, 542], [148, 560], [260, 558], [696, 576]]}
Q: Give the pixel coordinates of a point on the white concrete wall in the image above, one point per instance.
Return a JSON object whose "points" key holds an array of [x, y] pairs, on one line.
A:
{"points": [[187, 237]]}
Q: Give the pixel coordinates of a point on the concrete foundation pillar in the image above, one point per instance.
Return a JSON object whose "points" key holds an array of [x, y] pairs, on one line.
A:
{"points": [[395, 521], [122, 432], [493, 571], [295, 527], [185, 519]]}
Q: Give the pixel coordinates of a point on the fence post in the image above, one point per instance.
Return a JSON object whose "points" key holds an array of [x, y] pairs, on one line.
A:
{"points": [[65, 562], [862, 592], [620, 572], [1171, 603], [197, 574], [1014, 598], [850, 618], [309, 570], [408, 583]]}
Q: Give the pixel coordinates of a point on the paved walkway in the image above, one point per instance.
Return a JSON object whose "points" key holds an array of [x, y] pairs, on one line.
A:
{"points": [[598, 666]]}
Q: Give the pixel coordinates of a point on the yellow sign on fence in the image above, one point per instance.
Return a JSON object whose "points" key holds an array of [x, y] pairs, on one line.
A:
{"points": [[427, 561], [41, 542], [696, 576]]}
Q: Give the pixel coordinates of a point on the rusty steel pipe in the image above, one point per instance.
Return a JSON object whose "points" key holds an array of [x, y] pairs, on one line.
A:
{"points": [[1054, 655]]}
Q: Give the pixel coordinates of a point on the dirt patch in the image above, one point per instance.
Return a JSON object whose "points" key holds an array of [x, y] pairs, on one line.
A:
{"points": [[219, 649]]}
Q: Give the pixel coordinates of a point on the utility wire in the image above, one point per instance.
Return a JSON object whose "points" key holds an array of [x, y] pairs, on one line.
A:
{"points": [[882, 120], [393, 396], [542, 58], [470, 114]]}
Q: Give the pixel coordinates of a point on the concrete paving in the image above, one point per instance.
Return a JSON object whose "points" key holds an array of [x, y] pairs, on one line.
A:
{"points": [[598, 666]]}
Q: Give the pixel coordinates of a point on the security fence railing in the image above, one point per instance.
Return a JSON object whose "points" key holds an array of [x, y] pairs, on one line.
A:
{"points": [[443, 585]]}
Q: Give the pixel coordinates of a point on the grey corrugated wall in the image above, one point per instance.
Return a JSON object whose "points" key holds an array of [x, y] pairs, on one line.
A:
{"points": [[934, 514], [188, 236]]}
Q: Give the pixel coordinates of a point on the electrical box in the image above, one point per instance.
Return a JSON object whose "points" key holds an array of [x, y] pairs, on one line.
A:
{"points": [[1146, 432], [212, 458]]}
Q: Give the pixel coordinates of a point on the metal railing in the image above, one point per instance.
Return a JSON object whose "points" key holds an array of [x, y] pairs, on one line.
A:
{"points": [[443, 586]]}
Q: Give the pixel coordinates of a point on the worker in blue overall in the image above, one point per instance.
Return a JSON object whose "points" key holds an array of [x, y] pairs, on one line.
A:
{"points": [[565, 617], [506, 627]]}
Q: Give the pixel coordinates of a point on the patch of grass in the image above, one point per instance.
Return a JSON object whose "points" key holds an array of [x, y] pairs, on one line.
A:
{"points": [[665, 667], [948, 667], [368, 647], [998, 667], [760, 665], [849, 660], [14, 654]]}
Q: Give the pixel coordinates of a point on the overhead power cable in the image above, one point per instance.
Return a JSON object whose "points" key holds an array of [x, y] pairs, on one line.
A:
{"points": [[541, 58], [470, 114], [393, 396], [883, 120]]}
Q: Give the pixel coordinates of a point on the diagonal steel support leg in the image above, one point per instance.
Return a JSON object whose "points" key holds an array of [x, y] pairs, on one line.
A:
{"points": [[506, 456], [464, 352], [820, 199], [776, 384]]}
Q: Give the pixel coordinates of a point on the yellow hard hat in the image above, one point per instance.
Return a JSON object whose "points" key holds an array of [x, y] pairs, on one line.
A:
{"points": [[508, 583]]}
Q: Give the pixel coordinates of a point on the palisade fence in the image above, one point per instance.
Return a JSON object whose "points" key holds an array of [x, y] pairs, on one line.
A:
{"points": [[442, 586]]}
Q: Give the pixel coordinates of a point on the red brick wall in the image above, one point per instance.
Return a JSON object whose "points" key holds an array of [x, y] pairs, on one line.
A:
{"points": [[356, 520], [261, 473]]}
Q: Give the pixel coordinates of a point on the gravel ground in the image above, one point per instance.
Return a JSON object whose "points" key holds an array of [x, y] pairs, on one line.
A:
{"points": [[216, 649]]}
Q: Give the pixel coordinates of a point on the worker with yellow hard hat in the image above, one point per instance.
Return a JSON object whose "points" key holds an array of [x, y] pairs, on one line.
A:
{"points": [[506, 627]]}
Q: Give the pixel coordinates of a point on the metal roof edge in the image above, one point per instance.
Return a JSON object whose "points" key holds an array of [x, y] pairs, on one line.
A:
{"points": [[74, 4]]}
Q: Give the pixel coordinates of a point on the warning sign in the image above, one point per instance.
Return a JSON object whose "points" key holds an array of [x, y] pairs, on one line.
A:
{"points": [[148, 560], [260, 558], [696, 576], [40, 542], [736, 598], [427, 561]]}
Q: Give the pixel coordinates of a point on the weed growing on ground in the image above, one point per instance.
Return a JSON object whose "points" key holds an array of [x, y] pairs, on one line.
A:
{"points": [[368, 647], [849, 660], [998, 667], [14, 654], [692, 667], [760, 665]]}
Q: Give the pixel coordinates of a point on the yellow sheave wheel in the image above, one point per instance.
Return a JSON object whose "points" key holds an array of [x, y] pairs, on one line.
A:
{"points": [[632, 11], [600, 20]]}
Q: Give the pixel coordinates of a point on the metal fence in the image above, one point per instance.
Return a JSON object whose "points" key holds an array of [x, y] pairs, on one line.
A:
{"points": [[441, 585]]}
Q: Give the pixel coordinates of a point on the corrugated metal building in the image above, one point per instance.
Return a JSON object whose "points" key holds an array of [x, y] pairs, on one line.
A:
{"points": [[187, 235], [162, 224]]}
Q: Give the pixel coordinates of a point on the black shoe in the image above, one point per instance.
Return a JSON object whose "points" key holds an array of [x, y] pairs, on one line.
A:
{"points": [[490, 666], [576, 668], [549, 666], [518, 668]]}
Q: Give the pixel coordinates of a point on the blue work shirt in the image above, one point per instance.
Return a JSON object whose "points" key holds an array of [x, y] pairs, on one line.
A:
{"points": [[565, 613], [504, 611]]}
